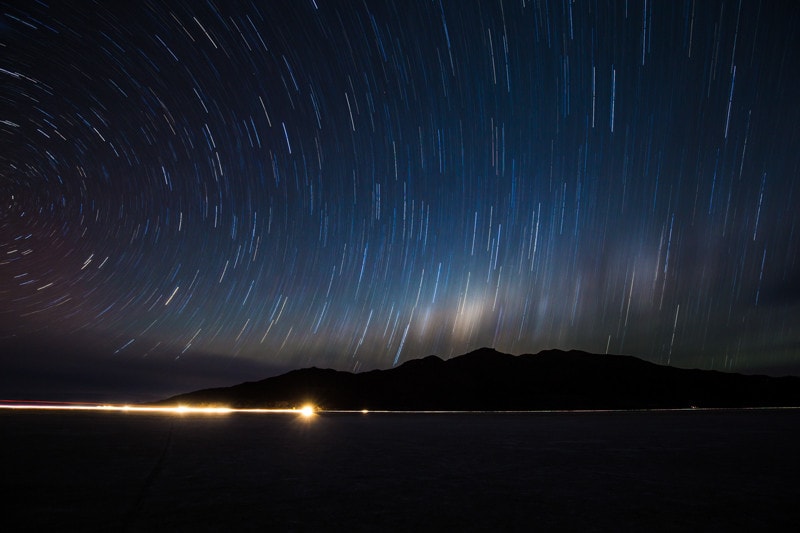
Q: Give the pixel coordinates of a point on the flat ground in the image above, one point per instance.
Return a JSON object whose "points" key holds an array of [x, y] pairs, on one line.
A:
{"points": [[667, 471]]}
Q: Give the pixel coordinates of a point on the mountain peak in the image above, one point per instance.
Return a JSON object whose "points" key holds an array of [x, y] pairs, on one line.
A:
{"points": [[486, 379]]}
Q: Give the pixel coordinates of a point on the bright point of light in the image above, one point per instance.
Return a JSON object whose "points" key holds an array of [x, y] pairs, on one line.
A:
{"points": [[364, 411], [307, 411]]}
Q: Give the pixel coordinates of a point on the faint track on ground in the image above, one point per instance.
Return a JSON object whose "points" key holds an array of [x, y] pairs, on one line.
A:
{"points": [[138, 503]]}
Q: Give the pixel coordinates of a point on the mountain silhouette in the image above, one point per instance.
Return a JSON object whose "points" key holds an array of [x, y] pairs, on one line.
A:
{"points": [[487, 380]]}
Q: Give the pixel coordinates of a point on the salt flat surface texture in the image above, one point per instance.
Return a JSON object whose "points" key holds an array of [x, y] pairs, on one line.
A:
{"points": [[698, 470]]}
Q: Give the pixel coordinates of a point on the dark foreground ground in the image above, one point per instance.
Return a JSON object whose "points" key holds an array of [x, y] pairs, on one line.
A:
{"points": [[669, 471]]}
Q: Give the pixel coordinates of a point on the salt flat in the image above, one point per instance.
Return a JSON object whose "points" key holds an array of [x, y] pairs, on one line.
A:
{"points": [[698, 470]]}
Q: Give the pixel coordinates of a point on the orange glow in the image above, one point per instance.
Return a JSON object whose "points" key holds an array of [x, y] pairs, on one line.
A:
{"points": [[307, 411]]}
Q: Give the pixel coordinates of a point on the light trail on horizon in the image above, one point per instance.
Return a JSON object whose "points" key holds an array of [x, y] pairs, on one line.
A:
{"points": [[304, 411]]}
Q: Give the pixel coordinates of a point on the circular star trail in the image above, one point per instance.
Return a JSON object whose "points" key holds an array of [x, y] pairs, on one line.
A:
{"points": [[353, 184]]}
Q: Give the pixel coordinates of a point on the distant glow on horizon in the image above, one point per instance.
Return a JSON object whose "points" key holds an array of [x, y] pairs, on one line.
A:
{"points": [[308, 411]]}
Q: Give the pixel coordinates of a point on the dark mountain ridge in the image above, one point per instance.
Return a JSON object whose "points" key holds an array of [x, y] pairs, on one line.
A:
{"points": [[488, 380]]}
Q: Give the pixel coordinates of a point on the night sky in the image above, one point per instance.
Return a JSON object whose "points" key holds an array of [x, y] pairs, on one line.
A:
{"points": [[200, 193]]}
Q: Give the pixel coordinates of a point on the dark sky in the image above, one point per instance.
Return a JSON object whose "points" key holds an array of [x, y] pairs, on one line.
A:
{"points": [[198, 193]]}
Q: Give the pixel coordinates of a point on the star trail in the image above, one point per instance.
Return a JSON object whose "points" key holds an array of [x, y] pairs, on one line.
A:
{"points": [[355, 184]]}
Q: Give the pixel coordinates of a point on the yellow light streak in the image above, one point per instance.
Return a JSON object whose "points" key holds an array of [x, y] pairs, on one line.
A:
{"points": [[306, 411]]}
